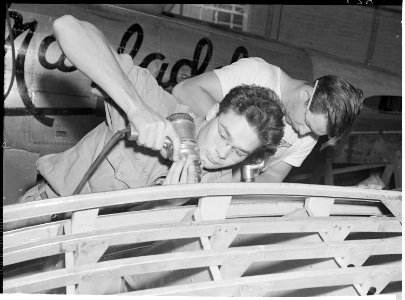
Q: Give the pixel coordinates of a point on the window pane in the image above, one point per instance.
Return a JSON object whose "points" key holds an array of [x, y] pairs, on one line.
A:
{"points": [[230, 15], [238, 20], [224, 17], [225, 6], [240, 9]]}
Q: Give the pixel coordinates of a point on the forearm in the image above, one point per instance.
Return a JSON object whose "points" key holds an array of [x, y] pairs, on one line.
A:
{"points": [[196, 98], [275, 173], [200, 93], [88, 50]]}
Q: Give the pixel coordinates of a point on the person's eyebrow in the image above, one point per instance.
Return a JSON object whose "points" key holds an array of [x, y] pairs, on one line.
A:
{"points": [[228, 135], [230, 138]]}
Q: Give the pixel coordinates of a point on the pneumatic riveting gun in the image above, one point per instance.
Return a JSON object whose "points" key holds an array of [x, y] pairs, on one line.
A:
{"points": [[185, 128]]}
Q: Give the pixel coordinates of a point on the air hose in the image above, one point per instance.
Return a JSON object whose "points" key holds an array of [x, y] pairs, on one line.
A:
{"points": [[183, 124], [107, 148]]}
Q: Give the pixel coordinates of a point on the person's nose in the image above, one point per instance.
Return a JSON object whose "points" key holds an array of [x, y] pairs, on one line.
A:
{"points": [[224, 151]]}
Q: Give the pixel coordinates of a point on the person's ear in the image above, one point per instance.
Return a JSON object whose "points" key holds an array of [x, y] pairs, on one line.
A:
{"points": [[305, 93], [212, 113]]}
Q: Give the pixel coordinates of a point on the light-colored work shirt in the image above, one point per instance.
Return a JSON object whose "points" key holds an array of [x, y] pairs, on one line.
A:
{"points": [[253, 70], [127, 165]]}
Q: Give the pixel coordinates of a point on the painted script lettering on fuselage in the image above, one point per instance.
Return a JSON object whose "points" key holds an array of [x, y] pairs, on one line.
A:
{"points": [[197, 64]]}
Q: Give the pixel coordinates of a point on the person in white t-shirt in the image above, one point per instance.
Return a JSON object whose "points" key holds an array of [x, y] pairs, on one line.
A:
{"points": [[328, 106]]}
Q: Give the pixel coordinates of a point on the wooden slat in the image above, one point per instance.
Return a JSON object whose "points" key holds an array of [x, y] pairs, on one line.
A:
{"points": [[24, 235], [259, 285], [48, 230], [168, 215], [247, 208], [355, 210], [32, 234], [259, 208], [98, 200], [138, 234], [69, 260], [204, 240], [317, 206], [196, 259], [214, 270], [88, 252], [235, 265]]}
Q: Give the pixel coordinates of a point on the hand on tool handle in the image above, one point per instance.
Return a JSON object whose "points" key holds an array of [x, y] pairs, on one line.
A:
{"points": [[153, 131]]}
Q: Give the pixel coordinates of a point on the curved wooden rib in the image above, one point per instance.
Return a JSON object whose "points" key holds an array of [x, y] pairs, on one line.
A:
{"points": [[238, 208], [197, 259], [184, 230], [261, 284], [99, 200], [256, 207], [299, 227]]}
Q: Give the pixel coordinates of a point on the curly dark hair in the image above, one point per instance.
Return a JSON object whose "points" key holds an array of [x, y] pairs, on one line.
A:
{"points": [[339, 101], [263, 111]]}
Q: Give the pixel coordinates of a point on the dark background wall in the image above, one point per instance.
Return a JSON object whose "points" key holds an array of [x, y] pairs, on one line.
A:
{"points": [[365, 34]]}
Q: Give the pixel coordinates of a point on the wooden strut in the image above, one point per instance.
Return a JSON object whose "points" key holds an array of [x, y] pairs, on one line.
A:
{"points": [[214, 248], [139, 234], [192, 259]]}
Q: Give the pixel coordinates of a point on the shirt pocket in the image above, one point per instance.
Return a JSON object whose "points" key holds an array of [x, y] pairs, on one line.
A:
{"points": [[127, 169]]}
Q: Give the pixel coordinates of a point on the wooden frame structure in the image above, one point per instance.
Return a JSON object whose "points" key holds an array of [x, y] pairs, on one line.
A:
{"points": [[236, 239]]}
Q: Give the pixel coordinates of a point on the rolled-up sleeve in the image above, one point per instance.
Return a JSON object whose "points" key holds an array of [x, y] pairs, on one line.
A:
{"points": [[151, 93]]}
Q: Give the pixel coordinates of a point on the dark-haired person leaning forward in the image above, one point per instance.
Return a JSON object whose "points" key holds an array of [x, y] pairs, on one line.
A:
{"points": [[249, 119], [328, 106]]}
